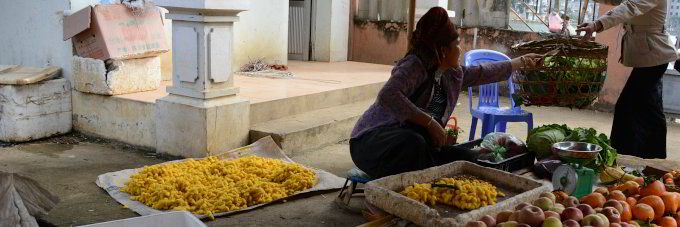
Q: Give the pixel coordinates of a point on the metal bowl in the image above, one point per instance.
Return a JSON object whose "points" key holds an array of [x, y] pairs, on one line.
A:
{"points": [[576, 150]]}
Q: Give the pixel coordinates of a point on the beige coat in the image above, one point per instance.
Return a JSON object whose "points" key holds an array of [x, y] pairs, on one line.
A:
{"points": [[645, 42]]}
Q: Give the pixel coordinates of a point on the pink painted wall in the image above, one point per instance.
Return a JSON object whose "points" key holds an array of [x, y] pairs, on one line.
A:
{"points": [[377, 42], [617, 74]]}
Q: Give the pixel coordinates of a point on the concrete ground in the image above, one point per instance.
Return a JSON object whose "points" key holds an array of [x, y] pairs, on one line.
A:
{"points": [[68, 166]]}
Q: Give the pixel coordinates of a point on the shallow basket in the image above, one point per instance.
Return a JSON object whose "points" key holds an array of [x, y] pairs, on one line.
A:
{"points": [[572, 76]]}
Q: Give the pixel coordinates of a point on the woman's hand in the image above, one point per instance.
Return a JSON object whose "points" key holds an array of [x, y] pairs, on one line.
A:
{"points": [[437, 133], [527, 61], [589, 28]]}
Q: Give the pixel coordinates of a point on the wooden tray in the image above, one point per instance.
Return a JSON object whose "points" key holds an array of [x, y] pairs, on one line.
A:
{"points": [[384, 194]]}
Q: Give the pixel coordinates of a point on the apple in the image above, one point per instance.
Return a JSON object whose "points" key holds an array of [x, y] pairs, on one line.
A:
{"points": [[544, 203], [603, 191], [593, 220], [571, 202], [623, 224], [599, 210], [604, 218], [503, 216], [488, 220], [475, 224], [508, 224], [614, 203], [548, 195], [514, 216], [571, 223], [552, 222], [551, 214], [586, 209], [531, 215], [558, 208], [612, 214], [572, 213], [523, 225], [522, 205], [615, 225]]}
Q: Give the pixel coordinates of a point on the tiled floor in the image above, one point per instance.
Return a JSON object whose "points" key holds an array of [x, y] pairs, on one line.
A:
{"points": [[310, 77]]}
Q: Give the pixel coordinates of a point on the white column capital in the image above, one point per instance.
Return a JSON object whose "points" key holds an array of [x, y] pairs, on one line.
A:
{"points": [[202, 46]]}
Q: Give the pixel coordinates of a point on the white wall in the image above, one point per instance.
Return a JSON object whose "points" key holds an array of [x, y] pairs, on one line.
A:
{"points": [[331, 30], [32, 33], [262, 32]]}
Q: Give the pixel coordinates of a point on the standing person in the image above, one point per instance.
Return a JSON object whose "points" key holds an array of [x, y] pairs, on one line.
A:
{"points": [[403, 130], [639, 127]]}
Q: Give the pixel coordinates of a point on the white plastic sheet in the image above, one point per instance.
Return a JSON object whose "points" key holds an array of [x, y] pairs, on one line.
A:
{"points": [[265, 147]]}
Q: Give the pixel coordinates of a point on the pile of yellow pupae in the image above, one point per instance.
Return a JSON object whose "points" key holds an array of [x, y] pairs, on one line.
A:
{"points": [[212, 185], [461, 192]]}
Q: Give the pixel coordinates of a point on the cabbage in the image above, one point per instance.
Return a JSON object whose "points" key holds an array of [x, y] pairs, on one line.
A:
{"points": [[540, 140]]}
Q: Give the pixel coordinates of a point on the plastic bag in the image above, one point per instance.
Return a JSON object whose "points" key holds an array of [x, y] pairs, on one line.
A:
{"points": [[554, 22], [499, 146]]}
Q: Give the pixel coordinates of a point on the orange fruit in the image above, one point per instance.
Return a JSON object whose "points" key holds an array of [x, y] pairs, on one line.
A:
{"points": [[595, 200], [656, 203], [656, 188], [643, 212], [614, 187], [670, 202], [630, 188], [631, 201], [617, 195], [668, 222], [627, 214]]}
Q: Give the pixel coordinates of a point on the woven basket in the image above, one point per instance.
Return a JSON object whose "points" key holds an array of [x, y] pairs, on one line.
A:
{"points": [[572, 74]]}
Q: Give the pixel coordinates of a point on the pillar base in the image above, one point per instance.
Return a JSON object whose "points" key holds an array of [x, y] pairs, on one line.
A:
{"points": [[193, 128]]}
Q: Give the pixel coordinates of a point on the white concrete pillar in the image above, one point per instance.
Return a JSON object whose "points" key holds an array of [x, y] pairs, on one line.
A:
{"points": [[202, 113], [202, 47], [331, 30]]}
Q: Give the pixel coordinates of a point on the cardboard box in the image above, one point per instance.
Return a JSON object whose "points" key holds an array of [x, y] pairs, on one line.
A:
{"points": [[114, 32]]}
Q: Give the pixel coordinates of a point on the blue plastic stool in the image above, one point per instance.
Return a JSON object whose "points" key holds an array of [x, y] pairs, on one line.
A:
{"points": [[355, 176], [494, 118]]}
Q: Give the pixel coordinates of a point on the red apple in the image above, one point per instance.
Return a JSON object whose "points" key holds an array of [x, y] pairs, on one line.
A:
{"points": [[571, 223], [488, 220], [612, 214], [572, 213], [531, 215], [503, 216], [586, 209], [614, 203], [593, 220]]}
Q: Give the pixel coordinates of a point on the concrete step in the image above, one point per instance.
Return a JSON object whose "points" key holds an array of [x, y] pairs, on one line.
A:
{"points": [[313, 129], [334, 158], [274, 109]]}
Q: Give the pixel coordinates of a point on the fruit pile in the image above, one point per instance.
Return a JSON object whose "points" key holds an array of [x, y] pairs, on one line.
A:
{"points": [[639, 202], [672, 179], [463, 192]]}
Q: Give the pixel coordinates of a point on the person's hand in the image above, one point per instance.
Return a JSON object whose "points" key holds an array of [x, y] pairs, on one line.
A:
{"points": [[437, 134], [528, 61], [588, 28]]}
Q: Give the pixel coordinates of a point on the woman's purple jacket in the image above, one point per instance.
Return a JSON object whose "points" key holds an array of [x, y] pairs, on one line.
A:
{"points": [[393, 107]]}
